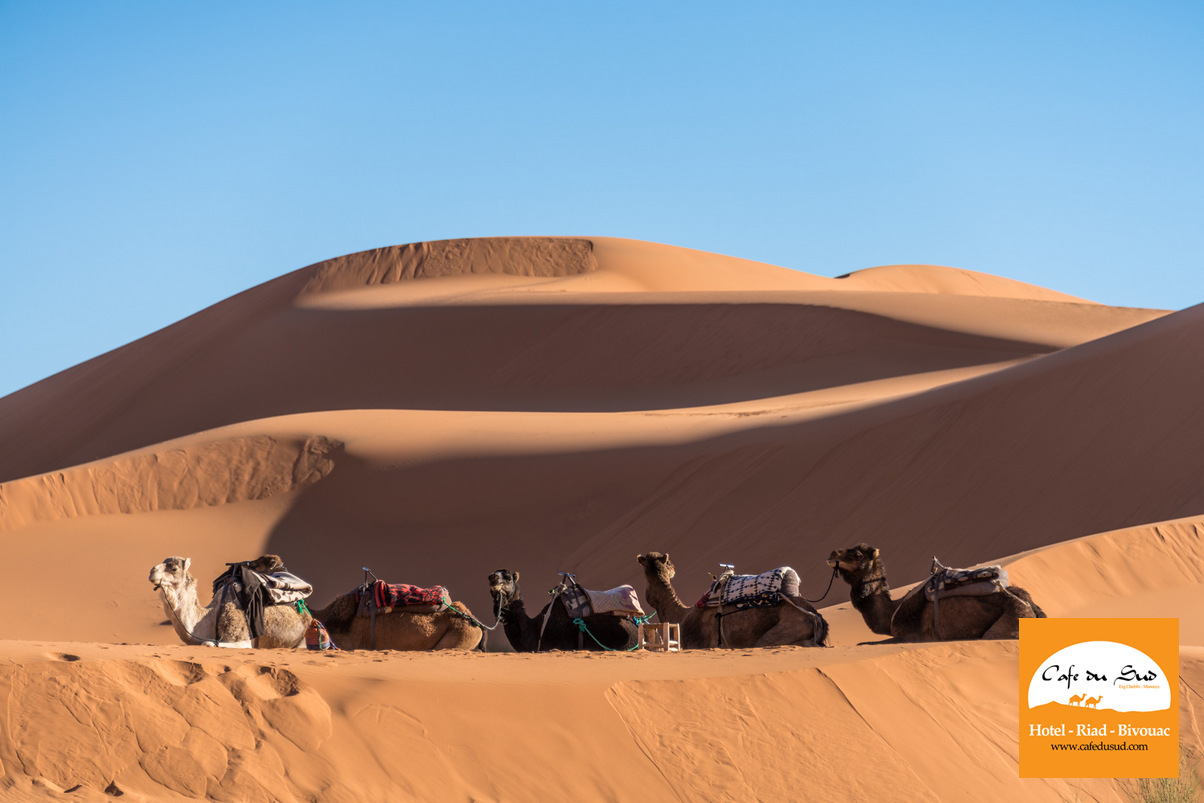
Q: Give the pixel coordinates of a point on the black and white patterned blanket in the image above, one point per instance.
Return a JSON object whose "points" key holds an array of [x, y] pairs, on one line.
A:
{"points": [[763, 590]]}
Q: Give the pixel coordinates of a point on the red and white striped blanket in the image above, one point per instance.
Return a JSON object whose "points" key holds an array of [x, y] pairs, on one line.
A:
{"points": [[398, 595]]}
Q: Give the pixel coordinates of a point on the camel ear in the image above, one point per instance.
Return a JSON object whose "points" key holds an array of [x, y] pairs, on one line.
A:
{"points": [[875, 553], [516, 577], [642, 559], [187, 563]]}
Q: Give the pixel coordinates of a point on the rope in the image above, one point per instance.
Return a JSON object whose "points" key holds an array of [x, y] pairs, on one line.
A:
{"points": [[447, 605], [831, 580], [581, 624]]}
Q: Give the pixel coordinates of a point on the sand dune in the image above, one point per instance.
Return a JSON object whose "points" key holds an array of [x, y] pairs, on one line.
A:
{"points": [[440, 410]]}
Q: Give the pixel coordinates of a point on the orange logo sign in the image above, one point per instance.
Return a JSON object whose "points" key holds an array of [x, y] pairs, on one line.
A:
{"points": [[1099, 698]]}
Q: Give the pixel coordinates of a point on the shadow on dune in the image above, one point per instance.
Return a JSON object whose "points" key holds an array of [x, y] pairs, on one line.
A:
{"points": [[1087, 440], [537, 358]]}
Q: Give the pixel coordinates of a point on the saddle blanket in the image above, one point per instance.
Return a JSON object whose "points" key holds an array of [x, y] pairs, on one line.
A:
{"points": [[581, 602], [279, 588], [397, 595], [947, 582], [621, 600], [752, 590]]}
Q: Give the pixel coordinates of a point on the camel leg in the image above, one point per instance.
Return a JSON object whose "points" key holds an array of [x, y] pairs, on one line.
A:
{"points": [[787, 631], [1007, 626], [458, 638]]}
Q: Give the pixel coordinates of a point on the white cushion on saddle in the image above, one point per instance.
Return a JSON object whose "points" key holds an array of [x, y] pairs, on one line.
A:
{"points": [[617, 600], [281, 588]]}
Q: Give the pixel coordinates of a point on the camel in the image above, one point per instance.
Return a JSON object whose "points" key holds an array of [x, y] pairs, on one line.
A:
{"points": [[1078, 698], [225, 624], [794, 621], [1091, 702], [410, 628], [220, 623], [911, 618], [530, 634]]}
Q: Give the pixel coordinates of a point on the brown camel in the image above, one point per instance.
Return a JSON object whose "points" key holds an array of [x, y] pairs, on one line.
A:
{"points": [[410, 628], [911, 618], [793, 621]]}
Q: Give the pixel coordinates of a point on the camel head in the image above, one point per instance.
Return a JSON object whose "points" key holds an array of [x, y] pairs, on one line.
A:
{"points": [[171, 574], [854, 561], [657, 566], [503, 587]]}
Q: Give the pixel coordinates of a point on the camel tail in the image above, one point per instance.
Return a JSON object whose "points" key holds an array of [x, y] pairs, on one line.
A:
{"points": [[821, 631]]}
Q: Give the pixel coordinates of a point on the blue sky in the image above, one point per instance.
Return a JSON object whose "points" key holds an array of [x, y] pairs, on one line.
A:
{"points": [[156, 158]]}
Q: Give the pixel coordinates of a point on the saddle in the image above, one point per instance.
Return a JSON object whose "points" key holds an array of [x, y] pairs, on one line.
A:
{"points": [[743, 591], [946, 582], [258, 584], [378, 596], [579, 603], [384, 597]]}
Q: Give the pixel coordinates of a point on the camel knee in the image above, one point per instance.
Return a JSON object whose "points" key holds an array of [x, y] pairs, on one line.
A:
{"points": [[1005, 627], [459, 639]]}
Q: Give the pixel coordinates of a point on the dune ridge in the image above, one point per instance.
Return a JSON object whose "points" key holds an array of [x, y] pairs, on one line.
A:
{"points": [[543, 257], [947, 280], [214, 473]]}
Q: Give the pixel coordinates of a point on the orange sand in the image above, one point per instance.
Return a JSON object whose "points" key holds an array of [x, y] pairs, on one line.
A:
{"points": [[441, 410]]}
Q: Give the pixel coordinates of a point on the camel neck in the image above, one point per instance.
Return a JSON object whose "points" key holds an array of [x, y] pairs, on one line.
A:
{"points": [[664, 599], [870, 595], [185, 613], [520, 629]]}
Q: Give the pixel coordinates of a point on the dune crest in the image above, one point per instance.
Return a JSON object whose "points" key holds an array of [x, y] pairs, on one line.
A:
{"points": [[497, 256], [944, 280], [231, 470]]}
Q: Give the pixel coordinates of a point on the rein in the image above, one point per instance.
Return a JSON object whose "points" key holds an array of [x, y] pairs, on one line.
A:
{"points": [[831, 580]]}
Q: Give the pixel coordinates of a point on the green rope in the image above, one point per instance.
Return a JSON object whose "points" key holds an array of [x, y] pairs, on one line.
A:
{"points": [[301, 609], [581, 624]]}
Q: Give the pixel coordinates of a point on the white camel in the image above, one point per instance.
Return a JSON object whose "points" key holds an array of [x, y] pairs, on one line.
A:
{"points": [[221, 625]]}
